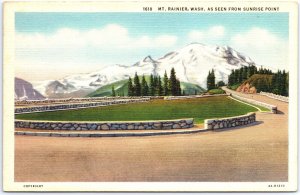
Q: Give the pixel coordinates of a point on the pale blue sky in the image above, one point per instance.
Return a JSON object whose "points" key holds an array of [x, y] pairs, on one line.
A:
{"points": [[152, 23], [90, 40]]}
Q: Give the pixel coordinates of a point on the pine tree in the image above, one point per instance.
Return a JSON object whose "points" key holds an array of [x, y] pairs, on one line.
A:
{"points": [[287, 84], [159, 87], [279, 82], [130, 87], [113, 92], [236, 76], [260, 71], [245, 73], [172, 82], [231, 78], [151, 86], [137, 85], [248, 73], [240, 78], [220, 84], [284, 89], [165, 87], [208, 81], [145, 88], [178, 88], [275, 89], [211, 79], [155, 85]]}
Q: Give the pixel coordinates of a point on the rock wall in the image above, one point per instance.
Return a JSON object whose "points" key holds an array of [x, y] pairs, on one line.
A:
{"points": [[143, 125], [76, 106], [212, 124], [91, 99], [191, 96], [251, 101], [274, 96]]}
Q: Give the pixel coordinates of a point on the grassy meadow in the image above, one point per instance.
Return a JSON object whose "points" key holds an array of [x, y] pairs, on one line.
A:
{"points": [[198, 108]]}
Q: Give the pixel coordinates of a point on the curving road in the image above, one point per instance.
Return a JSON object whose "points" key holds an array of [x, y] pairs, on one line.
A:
{"points": [[253, 153]]}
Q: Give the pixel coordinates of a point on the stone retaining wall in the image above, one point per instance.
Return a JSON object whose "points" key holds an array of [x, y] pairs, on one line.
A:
{"points": [[126, 125], [212, 124], [76, 106], [191, 96], [274, 96], [251, 101], [90, 99]]}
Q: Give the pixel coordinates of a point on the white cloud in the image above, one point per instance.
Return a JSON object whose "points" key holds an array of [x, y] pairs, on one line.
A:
{"points": [[217, 31], [208, 35], [196, 35], [165, 40], [110, 36], [70, 49], [35, 70], [263, 46]]}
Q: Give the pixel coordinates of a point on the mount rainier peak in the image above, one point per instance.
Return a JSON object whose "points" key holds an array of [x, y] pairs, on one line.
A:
{"points": [[191, 64]]}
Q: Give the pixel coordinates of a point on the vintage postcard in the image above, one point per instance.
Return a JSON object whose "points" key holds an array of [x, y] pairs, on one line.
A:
{"points": [[150, 96]]}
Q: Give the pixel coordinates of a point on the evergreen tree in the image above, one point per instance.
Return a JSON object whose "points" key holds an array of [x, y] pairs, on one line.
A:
{"points": [[159, 86], [287, 84], [145, 88], [251, 71], [113, 92], [278, 85], [165, 87], [178, 88], [137, 85], [231, 78], [155, 84], [248, 73], [130, 87], [255, 70], [275, 84], [236, 76], [245, 73], [211, 80], [240, 78], [220, 84], [208, 81], [260, 71], [173, 82], [151, 86]]}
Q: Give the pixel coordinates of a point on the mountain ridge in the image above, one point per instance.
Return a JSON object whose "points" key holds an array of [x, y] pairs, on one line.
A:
{"points": [[25, 91], [191, 64]]}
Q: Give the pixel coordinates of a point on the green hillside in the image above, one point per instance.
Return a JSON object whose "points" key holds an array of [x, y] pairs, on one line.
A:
{"points": [[190, 88], [262, 82], [121, 87]]}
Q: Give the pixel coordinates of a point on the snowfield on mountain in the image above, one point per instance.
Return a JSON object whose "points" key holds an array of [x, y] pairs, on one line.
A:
{"points": [[192, 64]]}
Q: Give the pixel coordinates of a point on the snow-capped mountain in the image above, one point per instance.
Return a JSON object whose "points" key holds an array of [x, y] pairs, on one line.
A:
{"points": [[25, 91], [191, 64]]}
